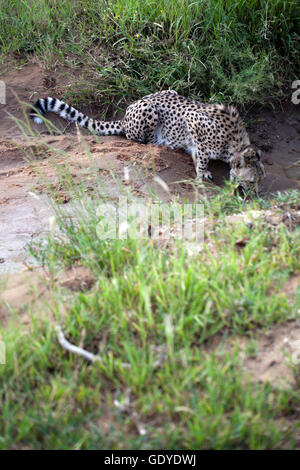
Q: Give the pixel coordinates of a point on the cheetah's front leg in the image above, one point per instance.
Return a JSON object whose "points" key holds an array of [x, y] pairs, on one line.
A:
{"points": [[198, 151], [201, 161]]}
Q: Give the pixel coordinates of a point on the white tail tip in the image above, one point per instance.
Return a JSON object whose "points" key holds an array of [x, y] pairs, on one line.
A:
{"points": [[37, 120]]}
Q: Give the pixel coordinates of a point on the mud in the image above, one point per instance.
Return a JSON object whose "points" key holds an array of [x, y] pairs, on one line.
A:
{"points": [[25, 205]]}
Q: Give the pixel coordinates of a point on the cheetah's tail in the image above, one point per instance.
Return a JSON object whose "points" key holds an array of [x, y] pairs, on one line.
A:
{"points": [[54, 105]]}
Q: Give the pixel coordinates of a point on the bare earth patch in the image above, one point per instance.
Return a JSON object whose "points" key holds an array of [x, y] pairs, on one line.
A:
{"points": [[267, 357], [32, 290], [275, 353]]}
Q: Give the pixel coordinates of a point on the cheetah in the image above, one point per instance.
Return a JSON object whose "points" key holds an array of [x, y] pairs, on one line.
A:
{"points": [[205, 131]]}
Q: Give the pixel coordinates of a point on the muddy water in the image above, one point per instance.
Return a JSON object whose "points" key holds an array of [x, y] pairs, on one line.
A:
{"points": [[24, 217]]}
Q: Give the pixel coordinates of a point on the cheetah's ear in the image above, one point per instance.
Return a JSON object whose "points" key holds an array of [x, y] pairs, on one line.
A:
{"points": [[251, 155]]}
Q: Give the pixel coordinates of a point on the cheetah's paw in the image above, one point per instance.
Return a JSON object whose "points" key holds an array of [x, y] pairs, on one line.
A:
{"points": [[205, 175]]}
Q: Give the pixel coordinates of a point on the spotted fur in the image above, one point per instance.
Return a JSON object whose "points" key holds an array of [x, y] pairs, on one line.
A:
{"points": [[205, 131]]}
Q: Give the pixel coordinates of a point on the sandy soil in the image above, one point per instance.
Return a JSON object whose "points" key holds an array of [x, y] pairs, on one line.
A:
{"points": [[32, 290], [267, 356]]}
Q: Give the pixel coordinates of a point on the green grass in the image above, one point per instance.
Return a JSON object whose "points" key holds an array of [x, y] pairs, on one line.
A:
{"points": [[147, 303], [234, 51], [155, 309]]}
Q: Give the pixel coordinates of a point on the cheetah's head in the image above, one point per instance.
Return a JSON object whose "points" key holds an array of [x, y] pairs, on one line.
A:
{"points": [[247, 169]]}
